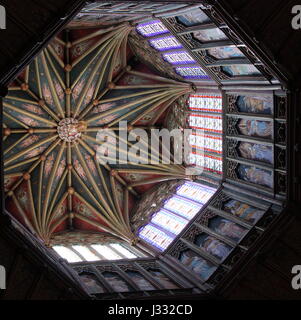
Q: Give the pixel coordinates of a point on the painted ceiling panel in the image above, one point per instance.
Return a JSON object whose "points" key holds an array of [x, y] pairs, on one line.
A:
{"points": [[80, 84]]}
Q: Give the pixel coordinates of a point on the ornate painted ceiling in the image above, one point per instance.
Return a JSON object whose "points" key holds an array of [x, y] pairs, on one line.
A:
{"points": [[85, 80]]}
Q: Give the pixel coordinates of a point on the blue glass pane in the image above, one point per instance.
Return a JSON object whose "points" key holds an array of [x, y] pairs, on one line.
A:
{"points": [[152, 28], [183, 207], [169, 221], [155, 237], [165, 43], [196, 192]]}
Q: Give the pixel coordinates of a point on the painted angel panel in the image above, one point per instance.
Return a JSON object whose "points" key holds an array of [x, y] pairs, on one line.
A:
{"points": [[118, 284], [213, 246], [193, 18], [198, 265], [227, 228], [255, 104], [255, 175], [243, 210], [256, 152], [255, 128], [162, 279]]}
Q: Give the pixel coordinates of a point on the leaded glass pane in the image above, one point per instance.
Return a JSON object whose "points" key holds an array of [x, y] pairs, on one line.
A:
{"points": [[180, 57], [151, 28], [106, 252], [67, 254], [208, 162], [155, 237], [165, 43], [183, 207], [169, 221], [208, 102], [127, 253], [206, 142], [206, 122], [86, 253], [192, 72], [196, 192]]}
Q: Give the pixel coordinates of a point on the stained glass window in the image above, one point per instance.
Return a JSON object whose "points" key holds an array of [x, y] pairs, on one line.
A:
{"points": [[208, 162], [175, 214], [86, 253], [106, 252], [152, 28], [192, 72], [196, 192], [111, 251], [165, 43], [206, 102], [206, 122], [169, 221], [206, 142], [125, 252], [155, 237], [183, 207], [67, 254], [180, 57]]}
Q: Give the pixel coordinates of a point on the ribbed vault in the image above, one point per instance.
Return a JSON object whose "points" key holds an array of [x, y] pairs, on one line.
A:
{"points": [[80, 83]]}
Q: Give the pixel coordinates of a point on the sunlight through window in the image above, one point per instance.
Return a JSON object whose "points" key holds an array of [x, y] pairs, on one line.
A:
{"points": [[67, 254]]}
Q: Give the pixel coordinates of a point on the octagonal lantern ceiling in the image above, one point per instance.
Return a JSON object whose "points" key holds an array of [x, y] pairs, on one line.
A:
{"points": [[81, 83]]}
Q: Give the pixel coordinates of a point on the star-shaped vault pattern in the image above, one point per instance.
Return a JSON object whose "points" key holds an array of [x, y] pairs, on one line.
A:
{"points": [[79, 84]]}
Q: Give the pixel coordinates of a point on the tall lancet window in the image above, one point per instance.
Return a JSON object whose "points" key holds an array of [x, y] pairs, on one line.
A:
{"points": [[177, 211], [206, 139]]}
